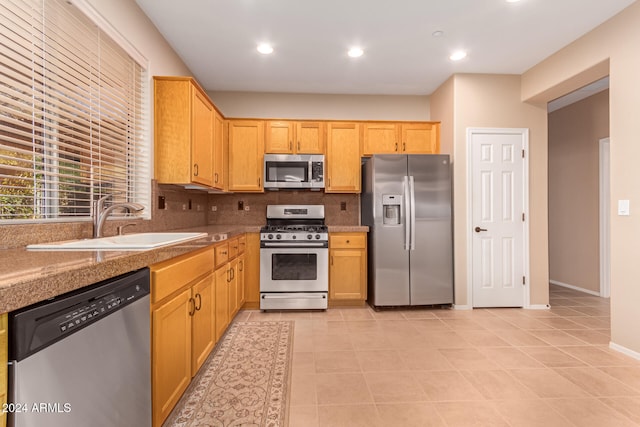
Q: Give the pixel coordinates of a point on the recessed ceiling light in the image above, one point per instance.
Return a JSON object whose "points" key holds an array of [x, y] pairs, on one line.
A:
{"points": [[265, 48], [438, 33], [355, 52], [458, 55]]}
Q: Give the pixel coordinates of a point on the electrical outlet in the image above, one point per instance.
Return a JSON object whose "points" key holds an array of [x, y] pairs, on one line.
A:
{"points": [[189, 204], [162, 202], [240, 205], [246, 208], [184, 206], [343, 206]]}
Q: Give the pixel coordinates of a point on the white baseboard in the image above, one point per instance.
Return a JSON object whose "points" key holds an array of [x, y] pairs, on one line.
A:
{"points": [[624, 350], [462, 307], [538, 307], [575, 288]]}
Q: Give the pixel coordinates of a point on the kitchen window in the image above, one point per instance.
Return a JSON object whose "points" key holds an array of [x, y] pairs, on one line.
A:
{"points": [[73, 113]]}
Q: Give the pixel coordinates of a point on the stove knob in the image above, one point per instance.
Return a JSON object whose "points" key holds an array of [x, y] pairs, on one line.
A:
{"points": [[309, 236], [270, 236], [294, 237], [317, 237], [279, 236]]}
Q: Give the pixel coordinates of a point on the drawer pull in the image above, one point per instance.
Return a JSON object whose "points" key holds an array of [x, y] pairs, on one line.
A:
{"points": [[198, 305], [192, 306]]}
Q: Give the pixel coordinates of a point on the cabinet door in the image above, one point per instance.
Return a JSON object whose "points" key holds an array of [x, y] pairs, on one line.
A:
{"points": [[251, 270], [310, 138], [202, 139], [347, 274], [343, 158], [420, 138], [203, 334], [380, 138], [222, 301], [279, 137], [233, 288], [240, 280], [246, 151], [171, 354], [218, 151]]}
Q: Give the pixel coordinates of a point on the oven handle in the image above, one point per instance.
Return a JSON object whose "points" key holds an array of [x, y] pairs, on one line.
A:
{"points": [[307, 296], [294, 245]]}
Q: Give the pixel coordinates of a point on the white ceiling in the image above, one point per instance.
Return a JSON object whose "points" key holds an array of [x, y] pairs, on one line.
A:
{"points": [[217, 40]]}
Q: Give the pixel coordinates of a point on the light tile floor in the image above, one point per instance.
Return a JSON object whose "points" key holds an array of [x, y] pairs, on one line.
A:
{"points": [[483, 367]]}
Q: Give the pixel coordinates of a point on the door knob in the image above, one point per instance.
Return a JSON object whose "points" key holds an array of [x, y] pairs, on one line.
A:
{"points": [[478, 229]]}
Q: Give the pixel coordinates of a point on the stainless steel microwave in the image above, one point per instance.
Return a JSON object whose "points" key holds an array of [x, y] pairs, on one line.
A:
{"points": [[291, 171]]}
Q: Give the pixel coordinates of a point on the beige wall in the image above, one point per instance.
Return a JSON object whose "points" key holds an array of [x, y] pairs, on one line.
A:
{"points": [[481, 100], [320, 106], [442, 109], [574, 134], [615, 41]]}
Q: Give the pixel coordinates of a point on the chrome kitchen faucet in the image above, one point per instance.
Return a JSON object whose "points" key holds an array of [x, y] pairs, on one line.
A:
{"points": [[100, 213]]}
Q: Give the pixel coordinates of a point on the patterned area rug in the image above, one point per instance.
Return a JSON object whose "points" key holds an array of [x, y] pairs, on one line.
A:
{"points": [[244, 382]]}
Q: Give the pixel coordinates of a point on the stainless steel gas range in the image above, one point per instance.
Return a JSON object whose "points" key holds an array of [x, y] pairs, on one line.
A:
{"points": [[294, 258]]}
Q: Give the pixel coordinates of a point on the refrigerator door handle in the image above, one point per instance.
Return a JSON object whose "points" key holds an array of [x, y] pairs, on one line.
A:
{"points": [[407, 210], [412, 191]]}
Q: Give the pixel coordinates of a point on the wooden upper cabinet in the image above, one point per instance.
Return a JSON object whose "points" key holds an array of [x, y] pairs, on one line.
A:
{"points": [[421, 138], [401, 138], [219, 148], [289, 137], [343, 158], [246, 151], [381, 138], [279, 137], [184, 128]]}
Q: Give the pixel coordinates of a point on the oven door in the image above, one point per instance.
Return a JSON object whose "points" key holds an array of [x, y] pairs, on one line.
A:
{"points": [[294, 269]]}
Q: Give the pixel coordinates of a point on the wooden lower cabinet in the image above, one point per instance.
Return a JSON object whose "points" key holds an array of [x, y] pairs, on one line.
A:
{"points": [[222, 300], [233, 288], [347, 268], [4, 337], [240, 278], [252, 272], [171, 354], [182, 326]]}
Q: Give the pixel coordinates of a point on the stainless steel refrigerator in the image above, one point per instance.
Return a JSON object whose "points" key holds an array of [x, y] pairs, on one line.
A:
{"points": [[406, 202]]}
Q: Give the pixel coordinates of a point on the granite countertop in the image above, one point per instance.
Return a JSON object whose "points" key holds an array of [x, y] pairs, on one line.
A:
{"points": [[27, 277]]}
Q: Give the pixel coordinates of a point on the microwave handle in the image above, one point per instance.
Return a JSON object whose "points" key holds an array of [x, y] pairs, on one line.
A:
{"points": [[310, 172]]}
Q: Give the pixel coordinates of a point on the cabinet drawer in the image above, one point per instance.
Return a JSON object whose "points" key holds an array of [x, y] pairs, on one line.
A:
{"points": [[169, 276], [341, 240], [234, 247], [242, 244], [222, 253]]}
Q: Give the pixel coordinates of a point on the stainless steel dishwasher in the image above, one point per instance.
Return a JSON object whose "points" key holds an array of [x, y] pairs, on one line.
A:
{"points": [[83, 358]]}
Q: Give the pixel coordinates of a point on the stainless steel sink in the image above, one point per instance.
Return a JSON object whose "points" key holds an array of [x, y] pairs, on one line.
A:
{"points": [[127, 242]]}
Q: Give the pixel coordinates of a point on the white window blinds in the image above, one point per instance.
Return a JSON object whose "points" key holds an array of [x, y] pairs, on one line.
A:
{"points": [[72, 118]]}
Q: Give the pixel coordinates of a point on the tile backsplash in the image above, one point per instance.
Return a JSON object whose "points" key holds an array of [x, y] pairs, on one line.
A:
{"points": [[251, 209], [190, 208]]}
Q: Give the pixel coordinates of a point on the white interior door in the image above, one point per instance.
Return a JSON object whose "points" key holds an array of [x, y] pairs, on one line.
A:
{"points": [[498, 214]]}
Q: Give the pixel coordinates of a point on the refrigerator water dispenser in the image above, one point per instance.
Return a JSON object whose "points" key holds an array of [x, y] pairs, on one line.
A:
{"points": [[391, 209]]}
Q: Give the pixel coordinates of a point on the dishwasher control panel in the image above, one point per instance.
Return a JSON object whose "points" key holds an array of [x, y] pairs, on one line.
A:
{"points": [[40, 325]]}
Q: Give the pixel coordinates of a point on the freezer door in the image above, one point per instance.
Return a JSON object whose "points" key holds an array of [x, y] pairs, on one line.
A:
{"points": [[431, 260], [388, 259]]}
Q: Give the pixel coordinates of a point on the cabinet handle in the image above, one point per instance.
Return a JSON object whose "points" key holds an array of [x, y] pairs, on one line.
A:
{"points": [[216, 181], [332, 260], [241, 266], [328, 181], [233, 273], [198, 306], [259, 181], [298, 145], [192, 306], [404, 146], [228, 276], [396, 146], [195, 169], [223, 252], [290, 145]]}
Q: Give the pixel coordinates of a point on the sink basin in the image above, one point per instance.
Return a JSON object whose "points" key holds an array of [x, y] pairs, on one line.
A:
{"points": [[127, 242]]}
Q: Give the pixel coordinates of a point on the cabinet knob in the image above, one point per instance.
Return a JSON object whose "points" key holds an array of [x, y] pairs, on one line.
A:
{"points": [[347, 241]]}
